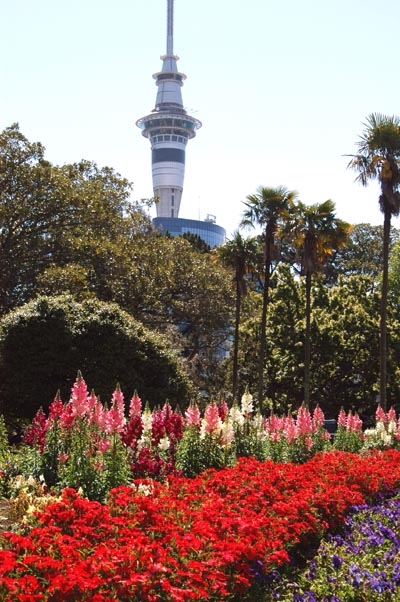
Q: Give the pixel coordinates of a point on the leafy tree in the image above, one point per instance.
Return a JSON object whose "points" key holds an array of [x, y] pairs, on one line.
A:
{"points": [[44, 343], [316, 232], [378, 158], [266, 209], [74, 229], [362, 253], [52, 216], [238, 254], [345, 343]]}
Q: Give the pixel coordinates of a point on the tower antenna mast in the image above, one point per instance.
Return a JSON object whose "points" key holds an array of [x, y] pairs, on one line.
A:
{"points": [[170, 28]]}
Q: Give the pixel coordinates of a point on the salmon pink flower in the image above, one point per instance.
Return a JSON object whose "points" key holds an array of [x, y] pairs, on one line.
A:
{"points": [[211, 422], [318, 417], [342, 418], [380, 414]]}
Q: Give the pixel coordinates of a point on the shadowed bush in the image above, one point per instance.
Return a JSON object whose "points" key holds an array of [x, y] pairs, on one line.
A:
{"points": [[44, 343]]}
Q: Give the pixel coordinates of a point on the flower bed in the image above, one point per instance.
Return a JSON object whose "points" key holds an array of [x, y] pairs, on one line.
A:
{"points": [[212, 537]]}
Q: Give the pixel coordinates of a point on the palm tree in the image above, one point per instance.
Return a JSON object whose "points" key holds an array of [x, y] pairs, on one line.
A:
{"points": [[378, 158], [238, 254], [315, 233], [266, 208]]}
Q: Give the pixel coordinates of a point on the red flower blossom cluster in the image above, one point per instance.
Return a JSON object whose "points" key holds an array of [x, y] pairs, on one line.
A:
{"points": [[188, 539]]}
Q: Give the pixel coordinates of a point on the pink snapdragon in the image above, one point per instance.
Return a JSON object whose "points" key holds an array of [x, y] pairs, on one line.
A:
{"points": [[135, 408], [342, 418], [290, 429], [192, 414], [380, 414], [304, 422], [318, 417], [211, 422], [79, 397], [115, 417]]}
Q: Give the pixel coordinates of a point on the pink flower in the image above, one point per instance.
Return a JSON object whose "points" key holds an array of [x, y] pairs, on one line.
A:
{"points": [[380, 414], [308, 442], [79, 397], [192, 414], [342, 418], [354, 422], [391, 415], [104, 445], [211, 421], [290, 430], [135, 408], [318, 417], [115, 417], [303, 422]]}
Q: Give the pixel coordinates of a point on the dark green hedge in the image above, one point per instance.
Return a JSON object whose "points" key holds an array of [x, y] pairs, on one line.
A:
{"points": [[44, 343]]}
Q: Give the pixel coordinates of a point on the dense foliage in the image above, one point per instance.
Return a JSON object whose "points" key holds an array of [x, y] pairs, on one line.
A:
{"points": [[44, 343]]}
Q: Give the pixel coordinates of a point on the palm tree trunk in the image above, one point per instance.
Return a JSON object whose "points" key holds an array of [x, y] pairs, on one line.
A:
{"points": [[383, 324], [236, 341], [263, 334], [307, 342]]}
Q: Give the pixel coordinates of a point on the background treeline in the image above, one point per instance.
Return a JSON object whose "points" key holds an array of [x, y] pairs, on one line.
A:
{"points": [[86, 283]]}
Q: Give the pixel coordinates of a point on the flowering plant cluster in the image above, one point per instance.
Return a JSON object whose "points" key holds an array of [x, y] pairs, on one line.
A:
{"points": [[85, 444], [213, 537], [386, 432], [360, 563]]}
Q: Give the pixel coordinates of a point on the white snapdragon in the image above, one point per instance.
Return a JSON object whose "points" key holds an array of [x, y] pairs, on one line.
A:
{"points": [[236, 416], [164, 444], [247, 403]]}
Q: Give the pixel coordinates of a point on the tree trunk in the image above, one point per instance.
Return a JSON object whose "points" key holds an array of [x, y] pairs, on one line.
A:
{"points": [[307, 342], [236, 341], [383, 324], [263, 334]]}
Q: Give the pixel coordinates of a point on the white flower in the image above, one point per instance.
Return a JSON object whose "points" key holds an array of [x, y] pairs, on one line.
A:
{"points": [[164, 444], [236, 415], [227, 433], [147, 419], [380, 427], [247, 403]]}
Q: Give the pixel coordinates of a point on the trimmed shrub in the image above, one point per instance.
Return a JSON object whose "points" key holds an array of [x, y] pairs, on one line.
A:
{"points": [[45, 342]]}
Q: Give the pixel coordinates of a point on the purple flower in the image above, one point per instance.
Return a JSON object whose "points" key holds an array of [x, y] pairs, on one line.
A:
{"points": [[336, 561]]}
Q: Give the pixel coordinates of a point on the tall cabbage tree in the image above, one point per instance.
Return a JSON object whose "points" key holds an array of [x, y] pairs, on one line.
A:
{"points": [[316, 233], [378, 158], [266, 209]]}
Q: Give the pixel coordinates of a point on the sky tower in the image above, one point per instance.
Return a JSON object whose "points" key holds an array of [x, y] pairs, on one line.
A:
{"points": [[168, 127]]}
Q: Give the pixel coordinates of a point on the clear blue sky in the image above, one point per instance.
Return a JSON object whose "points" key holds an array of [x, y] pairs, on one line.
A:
{"points": [[282, 89]]}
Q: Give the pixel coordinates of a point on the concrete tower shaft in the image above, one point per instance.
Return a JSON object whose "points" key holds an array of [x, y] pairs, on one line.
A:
{"points": [[168, 128]]}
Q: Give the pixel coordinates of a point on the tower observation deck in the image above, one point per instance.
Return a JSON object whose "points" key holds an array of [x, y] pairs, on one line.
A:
{"points": [[168, 127]]}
